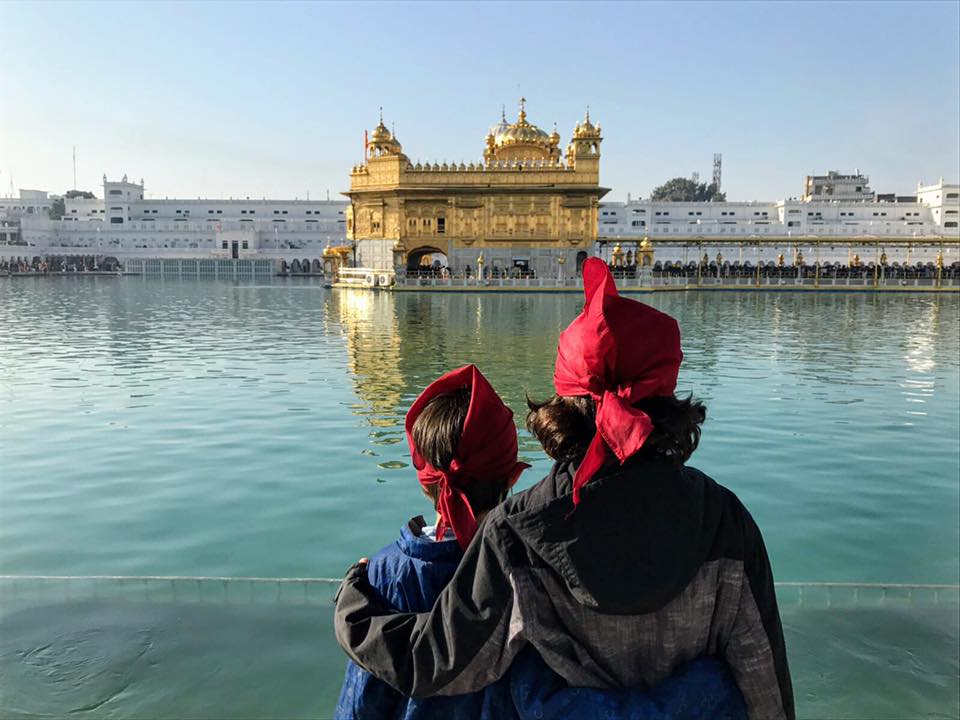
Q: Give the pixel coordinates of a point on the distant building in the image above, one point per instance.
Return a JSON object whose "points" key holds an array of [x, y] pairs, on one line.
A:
{"points": [[125, 223], [904, 226], [834, 186], [29, 203], [943, 201]]}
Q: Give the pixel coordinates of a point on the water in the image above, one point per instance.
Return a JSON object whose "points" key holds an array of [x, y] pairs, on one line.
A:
{"points": [[155, 427]]}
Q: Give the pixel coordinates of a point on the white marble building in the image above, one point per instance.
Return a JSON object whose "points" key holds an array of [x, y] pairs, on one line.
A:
{"points": [[124, 223], [751, 231]]}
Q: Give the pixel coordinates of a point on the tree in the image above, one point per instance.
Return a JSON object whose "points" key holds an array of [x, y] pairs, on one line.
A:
{"points": [[685, 190], [57, 209], [84, 194]]}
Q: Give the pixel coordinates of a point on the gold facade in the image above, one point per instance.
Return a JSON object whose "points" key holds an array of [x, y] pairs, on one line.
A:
{"points": [[524, 195]]}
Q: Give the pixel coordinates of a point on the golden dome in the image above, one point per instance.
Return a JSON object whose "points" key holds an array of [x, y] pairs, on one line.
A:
{"points": [[380, 133], [382, 141], [519, 133], [586, 128]]}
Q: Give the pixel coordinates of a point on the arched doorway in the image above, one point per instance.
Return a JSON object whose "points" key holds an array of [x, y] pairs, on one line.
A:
{"points": [[581, 259], [426, 259]]}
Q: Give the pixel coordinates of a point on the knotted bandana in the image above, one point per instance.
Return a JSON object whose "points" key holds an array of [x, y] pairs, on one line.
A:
{"points": [[487, 451], [618, 351]]}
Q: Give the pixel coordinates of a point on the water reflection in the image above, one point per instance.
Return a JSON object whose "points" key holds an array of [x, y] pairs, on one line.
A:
{"points": [[369, 324]]}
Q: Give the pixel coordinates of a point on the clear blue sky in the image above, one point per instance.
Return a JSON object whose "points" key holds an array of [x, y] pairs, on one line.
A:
{"points": [[220, 99]]}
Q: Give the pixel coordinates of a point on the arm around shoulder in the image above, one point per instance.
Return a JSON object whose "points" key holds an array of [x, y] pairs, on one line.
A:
{"points": [[462, 645]]}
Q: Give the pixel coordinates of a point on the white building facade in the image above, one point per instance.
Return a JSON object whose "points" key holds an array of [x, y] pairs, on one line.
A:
{"points": [[126, 224], [748, 231]]}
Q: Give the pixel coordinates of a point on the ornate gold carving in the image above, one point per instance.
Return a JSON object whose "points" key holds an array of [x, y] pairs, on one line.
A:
{"points": [[522, 194]]}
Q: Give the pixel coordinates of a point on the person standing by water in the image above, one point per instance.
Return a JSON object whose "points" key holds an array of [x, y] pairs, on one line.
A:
{"points": [[620, 565]]}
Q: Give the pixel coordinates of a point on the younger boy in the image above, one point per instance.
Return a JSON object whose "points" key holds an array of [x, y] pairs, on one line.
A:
{"points": [[463, 443]]}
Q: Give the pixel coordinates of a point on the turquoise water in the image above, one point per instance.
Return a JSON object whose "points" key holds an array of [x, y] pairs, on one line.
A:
{"points": [[205, 428]]}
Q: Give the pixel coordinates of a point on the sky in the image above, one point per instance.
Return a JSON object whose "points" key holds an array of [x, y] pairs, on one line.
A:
{"points": [[271, 99]]}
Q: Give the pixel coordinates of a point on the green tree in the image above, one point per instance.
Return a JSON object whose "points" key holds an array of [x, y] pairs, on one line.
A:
{"points": [[84, 194], [57, 209], [685, 190]]}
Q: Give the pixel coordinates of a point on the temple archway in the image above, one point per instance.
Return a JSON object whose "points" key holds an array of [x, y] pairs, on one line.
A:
{"points": [[581, 259], [425, 258]]}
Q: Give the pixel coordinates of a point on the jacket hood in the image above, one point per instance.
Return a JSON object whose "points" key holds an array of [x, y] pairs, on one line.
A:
{"points": [[637, 538]]}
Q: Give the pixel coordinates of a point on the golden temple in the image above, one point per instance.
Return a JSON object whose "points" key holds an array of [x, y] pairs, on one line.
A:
{"points": [[526, 207]]}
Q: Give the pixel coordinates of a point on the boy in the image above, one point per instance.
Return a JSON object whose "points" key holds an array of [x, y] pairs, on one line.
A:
{"points": [[463, 443]]}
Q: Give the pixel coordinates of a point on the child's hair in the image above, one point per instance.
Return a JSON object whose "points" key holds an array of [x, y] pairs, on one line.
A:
{"points": [[436, 435], [565, 426]]}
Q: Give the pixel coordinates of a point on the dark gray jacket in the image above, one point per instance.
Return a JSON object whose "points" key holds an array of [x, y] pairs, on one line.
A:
{"points": [[656, 566]]}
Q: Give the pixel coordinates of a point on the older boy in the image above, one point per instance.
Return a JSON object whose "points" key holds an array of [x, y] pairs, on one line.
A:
{"points": [[463, 443]]}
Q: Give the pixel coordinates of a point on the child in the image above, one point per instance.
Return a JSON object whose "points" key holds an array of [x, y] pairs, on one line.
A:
{"points": [[463, 443]]}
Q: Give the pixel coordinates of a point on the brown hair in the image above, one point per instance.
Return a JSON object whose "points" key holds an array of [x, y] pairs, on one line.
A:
{"points": [[436, 435], [565, 426]]}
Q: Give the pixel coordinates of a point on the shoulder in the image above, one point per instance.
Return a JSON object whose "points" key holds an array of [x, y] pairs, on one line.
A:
{"points": [[409, 573], [737, 531], [557, 484]]}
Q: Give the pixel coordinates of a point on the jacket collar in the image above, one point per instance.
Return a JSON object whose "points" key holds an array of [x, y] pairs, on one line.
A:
{"points": [[414, 543]]}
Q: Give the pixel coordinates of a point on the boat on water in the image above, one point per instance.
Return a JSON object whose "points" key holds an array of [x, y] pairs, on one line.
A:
{"points": [[364, 278]]}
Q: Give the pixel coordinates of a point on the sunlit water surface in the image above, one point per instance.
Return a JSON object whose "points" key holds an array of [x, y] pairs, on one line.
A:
{"points": [[205, 428]]}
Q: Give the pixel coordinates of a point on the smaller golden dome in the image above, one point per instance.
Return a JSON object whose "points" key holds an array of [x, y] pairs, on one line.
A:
{"points": [[586, 128], [380, 133]]}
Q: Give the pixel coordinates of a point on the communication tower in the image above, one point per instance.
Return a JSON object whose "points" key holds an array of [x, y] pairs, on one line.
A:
{"points": [[717, 160], [695, 176]]}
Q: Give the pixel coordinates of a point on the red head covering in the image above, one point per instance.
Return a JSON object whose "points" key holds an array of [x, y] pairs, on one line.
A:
{"points": [[487, 451], [618, 351]]}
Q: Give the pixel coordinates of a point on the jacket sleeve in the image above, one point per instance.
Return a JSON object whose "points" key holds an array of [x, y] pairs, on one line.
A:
{"points": [[756, 651], [363, 697], [463, 644]]}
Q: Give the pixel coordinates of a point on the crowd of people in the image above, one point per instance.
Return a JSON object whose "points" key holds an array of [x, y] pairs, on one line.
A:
{"points": [[488, 273], [58, 264], [774, 270]]}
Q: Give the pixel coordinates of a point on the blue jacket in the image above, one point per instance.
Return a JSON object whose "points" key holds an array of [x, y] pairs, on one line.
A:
{"points": [[409, 574]]}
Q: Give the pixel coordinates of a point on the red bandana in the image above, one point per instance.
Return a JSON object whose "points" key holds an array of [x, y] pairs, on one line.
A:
{"points": [[487, 450], [618, 351]]}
